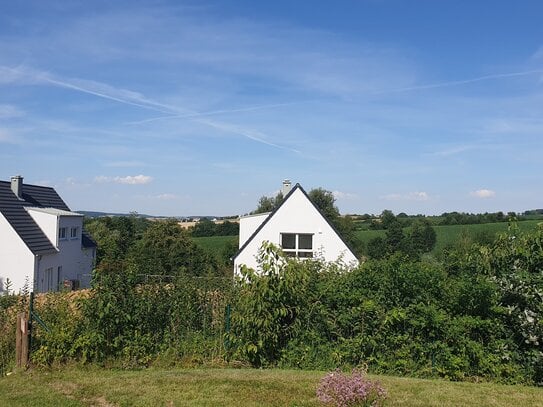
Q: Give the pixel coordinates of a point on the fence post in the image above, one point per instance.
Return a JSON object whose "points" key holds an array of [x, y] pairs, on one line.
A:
{"points": [[21, 341], [30, 317]]}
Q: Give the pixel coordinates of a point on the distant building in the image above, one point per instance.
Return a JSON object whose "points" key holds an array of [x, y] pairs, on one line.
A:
{"points": [[297, 226], [42, 242]]}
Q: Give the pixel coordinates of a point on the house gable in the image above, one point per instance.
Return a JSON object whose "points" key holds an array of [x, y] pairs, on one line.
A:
{"points": [[32, 220], [298, 217]]}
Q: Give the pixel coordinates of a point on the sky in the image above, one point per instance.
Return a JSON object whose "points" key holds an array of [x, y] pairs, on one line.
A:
{"points": [[180, 108]]}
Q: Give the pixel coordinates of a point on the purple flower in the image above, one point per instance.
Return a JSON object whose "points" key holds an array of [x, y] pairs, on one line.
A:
{"points": [[354, 389]]}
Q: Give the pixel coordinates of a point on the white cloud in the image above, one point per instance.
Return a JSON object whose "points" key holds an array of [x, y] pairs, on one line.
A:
{"points": [[410, 196], [343, 195], [483, 193], [129, 179]]}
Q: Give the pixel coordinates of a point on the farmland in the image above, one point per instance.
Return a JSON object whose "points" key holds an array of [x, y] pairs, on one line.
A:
{"points": [[447, 235], [233, 387]]}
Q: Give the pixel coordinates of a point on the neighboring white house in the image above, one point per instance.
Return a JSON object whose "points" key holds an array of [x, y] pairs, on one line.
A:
{"points": [[42, 243], [297, 226]]}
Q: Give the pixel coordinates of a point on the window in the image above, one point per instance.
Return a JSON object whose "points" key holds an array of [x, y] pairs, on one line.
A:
{"points": [[48, 280], [297, 244], [62, 233], [74, 232]]}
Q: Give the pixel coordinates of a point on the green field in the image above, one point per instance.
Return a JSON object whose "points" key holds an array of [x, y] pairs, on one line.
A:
{"points": [[215, 244], [233, 387], [446, 235]]}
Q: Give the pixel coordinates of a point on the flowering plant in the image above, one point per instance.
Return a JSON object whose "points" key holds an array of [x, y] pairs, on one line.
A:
{"points": [[354, 389]]}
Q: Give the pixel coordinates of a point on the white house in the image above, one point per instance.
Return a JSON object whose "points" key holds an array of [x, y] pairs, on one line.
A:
{"points": [[297, 226], [42, 242]]}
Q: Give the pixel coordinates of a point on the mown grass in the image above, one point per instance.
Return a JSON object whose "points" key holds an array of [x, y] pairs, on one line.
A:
{"points": [[233, 387]]}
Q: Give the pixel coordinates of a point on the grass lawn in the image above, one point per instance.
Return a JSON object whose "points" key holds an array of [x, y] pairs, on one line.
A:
{"points": [[233, 387]]}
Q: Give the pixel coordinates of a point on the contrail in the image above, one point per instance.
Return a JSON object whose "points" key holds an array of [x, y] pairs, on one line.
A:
{"points": [[102, 95], [215, 112], [150, 105], [459, 82]]}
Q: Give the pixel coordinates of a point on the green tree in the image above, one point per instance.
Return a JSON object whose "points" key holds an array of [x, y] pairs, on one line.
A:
{"points": [[268, 305], [422, 236], [325, 201], [387, 218], [205, 227], [166, 249]]}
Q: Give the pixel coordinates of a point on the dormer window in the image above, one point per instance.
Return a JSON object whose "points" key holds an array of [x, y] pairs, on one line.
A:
{"points": [[297, 244], [62, 233], [74, 232]]}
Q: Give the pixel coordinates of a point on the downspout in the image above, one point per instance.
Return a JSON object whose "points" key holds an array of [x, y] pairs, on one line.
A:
{"points": [[35, 282]]}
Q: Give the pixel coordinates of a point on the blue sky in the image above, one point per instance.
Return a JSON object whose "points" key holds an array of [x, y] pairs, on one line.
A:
{"points": [[178, 108]]}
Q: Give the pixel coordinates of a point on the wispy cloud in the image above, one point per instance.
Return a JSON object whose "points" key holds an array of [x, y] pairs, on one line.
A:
{"points": [[129, 179], [6, 136], [215, 112], [343, 195], [453, 150], [136, 99], [410, 196], [166, 197], [124, 164], [461, 82], [9, 111], [483, 193]]}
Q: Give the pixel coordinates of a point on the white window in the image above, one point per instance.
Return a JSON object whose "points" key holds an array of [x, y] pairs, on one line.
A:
{"points": [[297, 244], [48, 279], [74, 232], [62, 233]]}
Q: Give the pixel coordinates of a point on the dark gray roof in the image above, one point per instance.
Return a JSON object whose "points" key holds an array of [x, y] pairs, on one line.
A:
{"points": [[14, 211]]}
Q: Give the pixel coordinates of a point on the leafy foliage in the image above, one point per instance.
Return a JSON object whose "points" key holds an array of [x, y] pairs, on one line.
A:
{"points": [[266, 313]]}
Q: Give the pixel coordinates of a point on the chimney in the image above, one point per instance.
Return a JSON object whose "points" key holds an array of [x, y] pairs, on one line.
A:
{"points": [[286, 187], [17, 186]]}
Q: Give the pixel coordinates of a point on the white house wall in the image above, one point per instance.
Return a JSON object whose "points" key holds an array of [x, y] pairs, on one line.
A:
{"points": [[75, 262], [17, 259], [248, 225], [47, 223], [298, 215]]}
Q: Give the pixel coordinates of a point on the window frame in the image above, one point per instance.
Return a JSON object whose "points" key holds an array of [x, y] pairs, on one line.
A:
{"points": [[75, 235], [63, 233], [297, 251]]}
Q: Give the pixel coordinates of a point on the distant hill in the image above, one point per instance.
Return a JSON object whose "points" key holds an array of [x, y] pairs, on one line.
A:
{"points": [[97, 214]]}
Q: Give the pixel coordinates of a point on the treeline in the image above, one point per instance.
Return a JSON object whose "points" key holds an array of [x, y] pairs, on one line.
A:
{"points": [[206, 227], [446, 218]]}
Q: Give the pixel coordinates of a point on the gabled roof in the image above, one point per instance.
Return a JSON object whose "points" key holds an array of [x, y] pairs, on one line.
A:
{"points": [[15, 213], [270, 216]]}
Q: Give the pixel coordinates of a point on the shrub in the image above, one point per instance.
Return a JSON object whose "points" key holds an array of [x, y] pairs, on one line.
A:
{"points": [[354, 389]]}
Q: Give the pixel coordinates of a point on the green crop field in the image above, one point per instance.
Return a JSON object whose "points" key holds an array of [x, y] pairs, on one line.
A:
{"points": [[215, 244], [446, 235], [94, 386]]}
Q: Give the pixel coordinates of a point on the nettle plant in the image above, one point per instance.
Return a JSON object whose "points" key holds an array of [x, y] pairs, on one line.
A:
{"points": [[350, 389]]}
